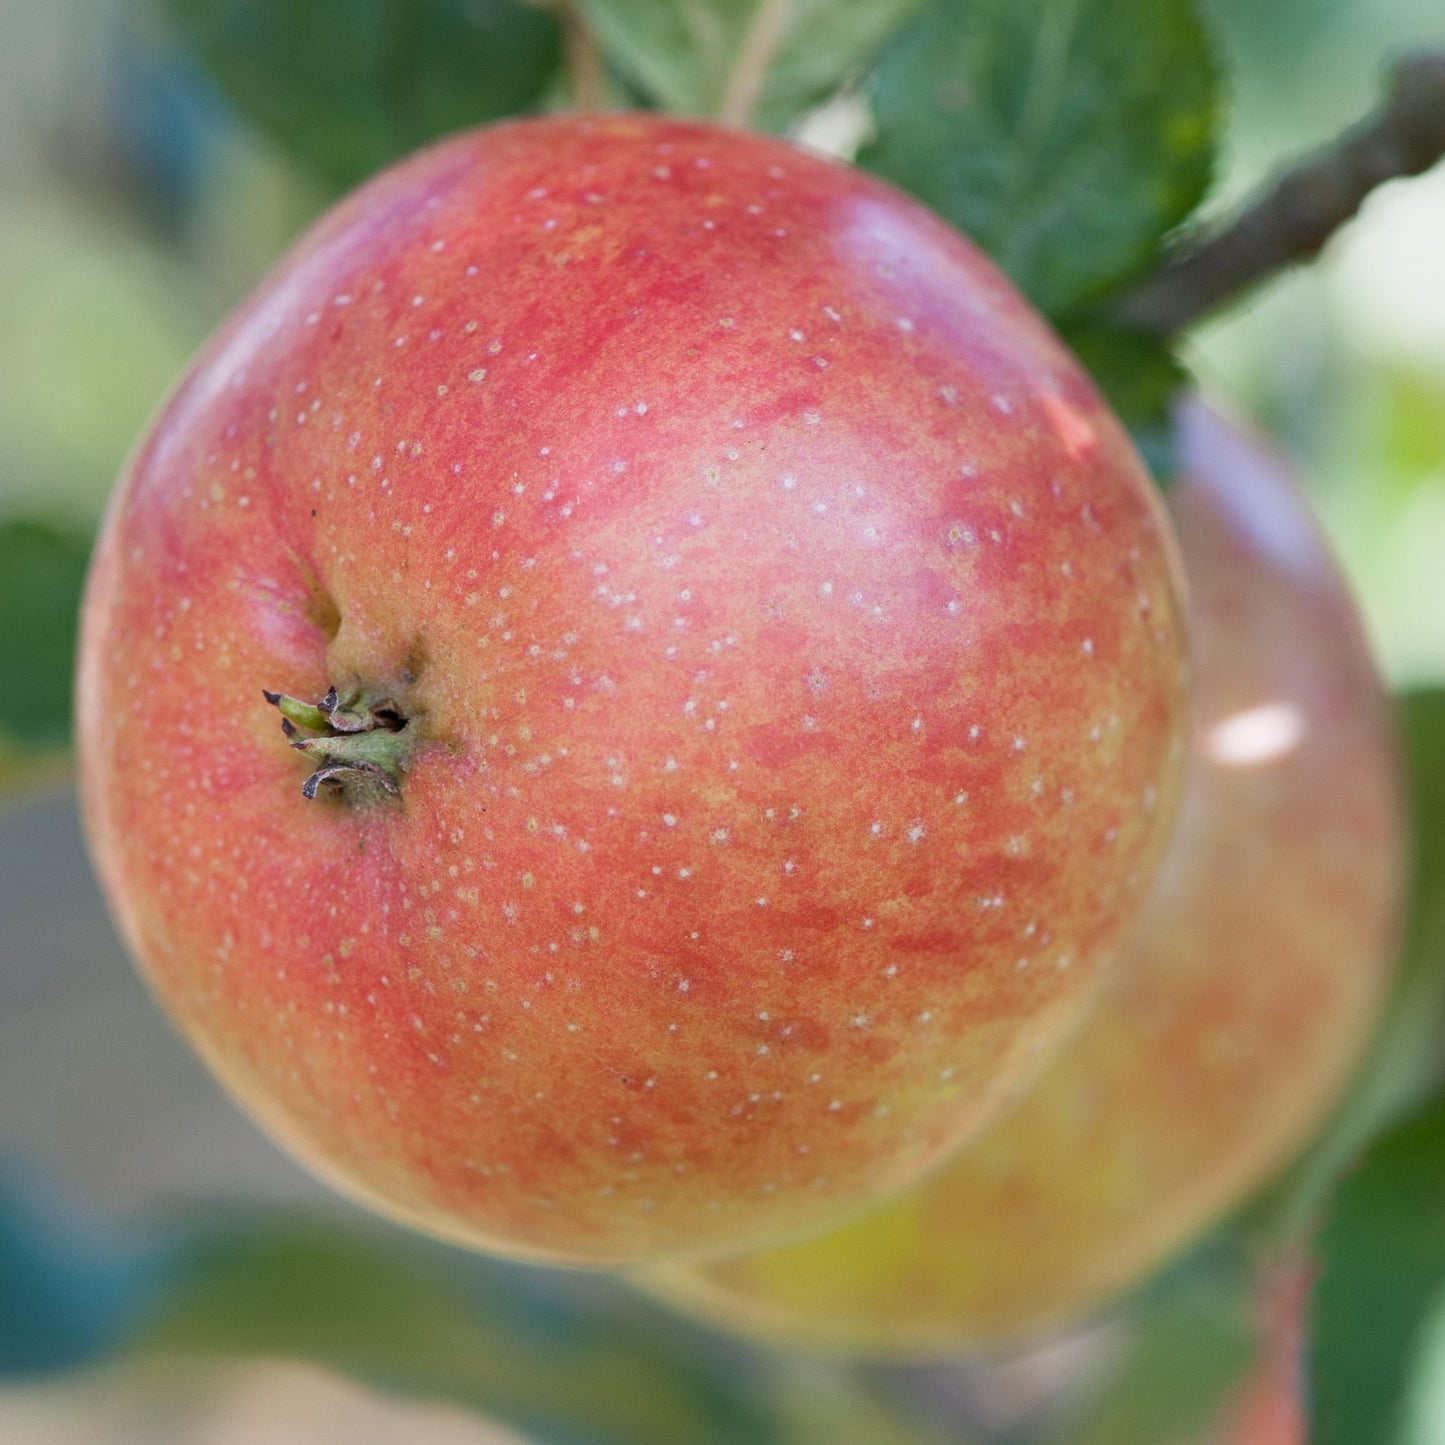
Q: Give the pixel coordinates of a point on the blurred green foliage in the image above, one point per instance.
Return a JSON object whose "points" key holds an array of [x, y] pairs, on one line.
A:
{"points": [[563, 1358], [68, 1293], [95, 331], [1192, 1336], [41, 572], [348, 86], [683, 57], [1381, 1281], [304, 1290]]}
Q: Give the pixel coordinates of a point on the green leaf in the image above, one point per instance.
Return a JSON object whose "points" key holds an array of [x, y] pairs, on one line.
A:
{"points": [[42, 571], [1191, 1339], [1067, 137], [565, 1358], [301, 1291], [1140, 377], [684, 54], [348, 86], [1382, 1279]]}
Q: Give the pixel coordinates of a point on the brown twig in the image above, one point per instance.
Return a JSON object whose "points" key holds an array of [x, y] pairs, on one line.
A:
{"points": [[760, 44], [586, 77], [1292, 218]]}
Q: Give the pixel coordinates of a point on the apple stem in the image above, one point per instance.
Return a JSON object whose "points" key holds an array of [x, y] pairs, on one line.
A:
{"points": [[1294, 216], [359, 747]]}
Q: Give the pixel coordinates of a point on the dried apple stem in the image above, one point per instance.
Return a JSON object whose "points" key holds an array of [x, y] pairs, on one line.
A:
{"points": [[359, 748]]}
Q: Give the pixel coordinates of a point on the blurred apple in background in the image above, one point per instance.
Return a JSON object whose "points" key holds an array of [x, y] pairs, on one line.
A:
{"points": [[1251, 982]]}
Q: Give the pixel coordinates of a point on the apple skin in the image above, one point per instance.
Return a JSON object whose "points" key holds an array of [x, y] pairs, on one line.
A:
{"points": [[1249, 985], [795, 678]]}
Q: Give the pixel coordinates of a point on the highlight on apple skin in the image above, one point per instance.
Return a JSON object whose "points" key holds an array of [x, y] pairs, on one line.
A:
{"points": [[736, 657], [1249, 987]]}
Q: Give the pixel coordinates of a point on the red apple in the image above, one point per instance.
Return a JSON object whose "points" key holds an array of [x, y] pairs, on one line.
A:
{"points": [[758, 692], [1249, 986]]}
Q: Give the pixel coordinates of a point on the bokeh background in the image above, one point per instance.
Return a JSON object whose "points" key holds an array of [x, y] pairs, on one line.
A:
{"points": [[135, 207]]}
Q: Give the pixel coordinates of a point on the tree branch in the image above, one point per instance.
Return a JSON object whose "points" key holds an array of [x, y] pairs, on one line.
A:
{"points": [[760, 43], [1291, 219]]}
